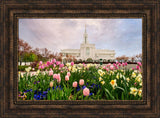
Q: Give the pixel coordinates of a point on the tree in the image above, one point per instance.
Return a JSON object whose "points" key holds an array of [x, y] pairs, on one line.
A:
{"points": [[26, 57], [89, 60], [67, 57], [36, 51], [26, 53], [122, 58], [45, 53], [51, 56], [23, 48], [80, 60], [29, 57], [64, 60], [59, 57], [132, 58], [104, 60], [74, 59], [118, 58], [139, 57], [33, 57], [70, 58]]}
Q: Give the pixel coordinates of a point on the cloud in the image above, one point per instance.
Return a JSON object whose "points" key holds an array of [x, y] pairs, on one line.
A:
{"points": [[122, 35]]}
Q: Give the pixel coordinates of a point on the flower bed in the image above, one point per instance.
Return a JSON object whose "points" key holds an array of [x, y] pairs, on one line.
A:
{"points": [[54, 81]]}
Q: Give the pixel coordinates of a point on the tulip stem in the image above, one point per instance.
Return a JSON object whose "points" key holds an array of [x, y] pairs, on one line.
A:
{"points": [[74, 91], [82, 94]]}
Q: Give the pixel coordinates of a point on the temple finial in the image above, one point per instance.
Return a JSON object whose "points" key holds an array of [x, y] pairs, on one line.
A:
{"points": [[85, 36]]}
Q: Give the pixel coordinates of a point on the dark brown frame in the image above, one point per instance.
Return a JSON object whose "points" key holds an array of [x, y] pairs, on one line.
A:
{"points": [[11, 10]]}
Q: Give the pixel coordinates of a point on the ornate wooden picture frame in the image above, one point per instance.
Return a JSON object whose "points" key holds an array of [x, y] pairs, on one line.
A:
{"points": [[12, 10]]}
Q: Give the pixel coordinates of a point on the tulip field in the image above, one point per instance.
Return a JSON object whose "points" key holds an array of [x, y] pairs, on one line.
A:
{"points": [[56, 81]]}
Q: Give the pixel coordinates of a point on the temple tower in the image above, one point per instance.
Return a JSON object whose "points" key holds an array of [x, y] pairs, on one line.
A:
{"points": [[85, 36]]}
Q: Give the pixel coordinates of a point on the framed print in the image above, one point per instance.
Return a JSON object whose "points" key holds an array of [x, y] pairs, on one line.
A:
{"points": [[56, 72], [79, 58]]}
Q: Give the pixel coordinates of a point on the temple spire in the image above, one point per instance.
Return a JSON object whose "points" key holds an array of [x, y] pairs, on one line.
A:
{"points": [[85, 36]]}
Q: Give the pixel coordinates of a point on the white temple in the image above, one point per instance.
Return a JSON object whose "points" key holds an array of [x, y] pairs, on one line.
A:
{"points": [[88, 50]]}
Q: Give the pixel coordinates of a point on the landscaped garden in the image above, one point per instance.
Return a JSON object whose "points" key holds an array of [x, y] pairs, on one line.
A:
{"points": [[56, 81]]}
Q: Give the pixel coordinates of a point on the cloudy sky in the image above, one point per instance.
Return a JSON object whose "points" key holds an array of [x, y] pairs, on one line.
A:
{"points": [[122, 35]]}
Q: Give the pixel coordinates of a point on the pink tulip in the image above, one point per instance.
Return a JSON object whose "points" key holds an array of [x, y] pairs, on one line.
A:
{"points": [[104, 67], [109, 64], [39, 67], [111, 67], [135, 83], [54, 61], [81, 82], [54, 65], [115, 65], [116, 68], [58, 76], [61, 65], [137, 67], [48, 63], [72, 63], [42, 67], [40, 63], [67, 78], [123, 64], [45, 65], [126, 63], [119, 64], [107, 69], [75, 84], [139, 63], [86, 92], [132, 68], [51, 84], [69, 74], [51, 72], [55, 76], [33, 69], [59, 80], [58, 62]]}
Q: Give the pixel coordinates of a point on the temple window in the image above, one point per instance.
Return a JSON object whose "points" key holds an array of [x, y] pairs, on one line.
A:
{"points": [[87, 51]]}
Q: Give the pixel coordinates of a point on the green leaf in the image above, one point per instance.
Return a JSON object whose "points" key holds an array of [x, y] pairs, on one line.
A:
{"points": [[112, 97], [122, 96], [119, 88], [48, 96]]}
